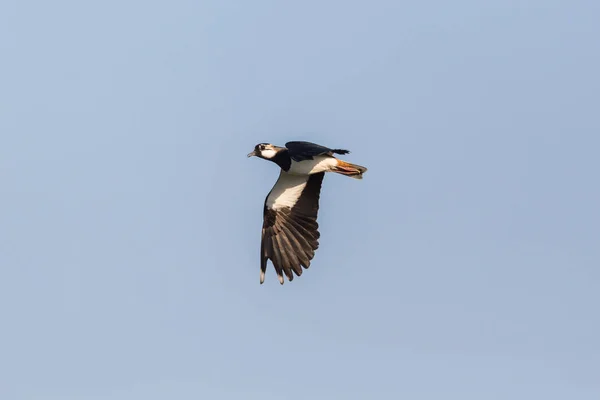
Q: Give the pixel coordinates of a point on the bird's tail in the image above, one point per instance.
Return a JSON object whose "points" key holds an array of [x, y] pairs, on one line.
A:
{"points": [[351, 170]]}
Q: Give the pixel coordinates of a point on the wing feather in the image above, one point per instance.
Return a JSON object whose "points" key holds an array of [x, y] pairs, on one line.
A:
{"points": [[298, 250], [276, 258], [291, 252], [300, 151], [290, 233]]}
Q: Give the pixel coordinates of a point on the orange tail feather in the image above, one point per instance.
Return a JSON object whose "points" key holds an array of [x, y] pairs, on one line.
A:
{"points": [[348, 169]]}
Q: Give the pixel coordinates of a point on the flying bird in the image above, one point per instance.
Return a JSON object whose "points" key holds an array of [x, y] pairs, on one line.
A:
{"points": [[290, 234]]}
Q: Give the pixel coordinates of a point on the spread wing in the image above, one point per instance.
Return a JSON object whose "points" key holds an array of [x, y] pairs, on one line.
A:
{"points": [[290, 233], [300, 151]]}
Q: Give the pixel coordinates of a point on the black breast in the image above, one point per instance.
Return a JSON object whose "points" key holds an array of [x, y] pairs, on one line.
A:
{"points": [[282, 158]]}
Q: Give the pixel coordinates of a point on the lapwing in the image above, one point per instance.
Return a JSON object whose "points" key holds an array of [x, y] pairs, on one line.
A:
{"points": [[290, 234]]}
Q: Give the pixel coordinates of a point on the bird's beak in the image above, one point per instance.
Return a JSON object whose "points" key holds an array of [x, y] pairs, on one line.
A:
{"points": [[252, 154]]}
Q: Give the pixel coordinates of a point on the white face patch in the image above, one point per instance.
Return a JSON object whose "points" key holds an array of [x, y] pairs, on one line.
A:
{"points": [[268, 153], [287, 191]]}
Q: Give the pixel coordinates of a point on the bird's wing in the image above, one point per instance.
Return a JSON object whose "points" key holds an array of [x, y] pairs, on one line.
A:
{"points": [[300, 151], [290, 232]]}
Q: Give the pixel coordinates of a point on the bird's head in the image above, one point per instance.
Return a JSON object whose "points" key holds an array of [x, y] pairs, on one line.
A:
{"points": [[265, 150]]}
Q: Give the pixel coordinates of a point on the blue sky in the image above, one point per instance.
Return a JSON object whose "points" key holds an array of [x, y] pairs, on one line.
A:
{"points": [[464, 266]]}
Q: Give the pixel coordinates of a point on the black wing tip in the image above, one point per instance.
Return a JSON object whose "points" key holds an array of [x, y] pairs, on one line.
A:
{"points": [[282, 275]]}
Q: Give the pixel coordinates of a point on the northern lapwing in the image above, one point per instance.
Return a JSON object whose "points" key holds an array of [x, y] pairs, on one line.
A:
{"points": [[290, 232]]}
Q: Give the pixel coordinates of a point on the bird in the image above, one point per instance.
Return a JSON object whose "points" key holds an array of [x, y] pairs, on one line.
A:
{"points": [[290, 232]]}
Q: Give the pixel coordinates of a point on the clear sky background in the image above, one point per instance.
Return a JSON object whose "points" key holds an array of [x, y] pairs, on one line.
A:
{"points": [[464, 266]]}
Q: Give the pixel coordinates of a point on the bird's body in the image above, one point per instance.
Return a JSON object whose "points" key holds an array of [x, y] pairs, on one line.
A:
{"points": [[314, 166], [290, 229]]}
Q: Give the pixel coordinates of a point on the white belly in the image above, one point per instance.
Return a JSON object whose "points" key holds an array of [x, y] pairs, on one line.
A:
{"points": [[314, 166]]}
